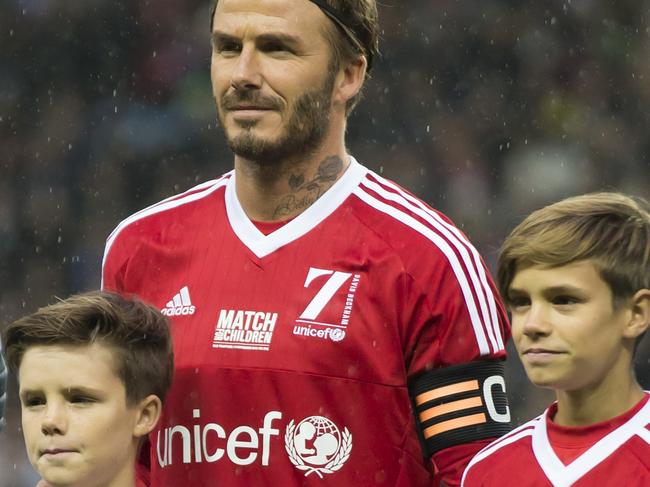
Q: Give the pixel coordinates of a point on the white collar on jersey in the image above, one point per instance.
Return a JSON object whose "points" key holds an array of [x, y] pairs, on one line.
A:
{"points": [[262, 245], [562, 475]]}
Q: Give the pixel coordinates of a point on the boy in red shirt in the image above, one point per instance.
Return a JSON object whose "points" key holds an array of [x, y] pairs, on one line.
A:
{"points": [[576, 276], [93, 371]]}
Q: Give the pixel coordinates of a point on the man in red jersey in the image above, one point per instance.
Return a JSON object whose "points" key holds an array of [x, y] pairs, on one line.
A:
{"points": [[315, 305], [576, 277]]}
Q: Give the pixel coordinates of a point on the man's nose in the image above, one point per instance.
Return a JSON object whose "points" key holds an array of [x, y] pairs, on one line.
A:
{"points": [[247, 72]]}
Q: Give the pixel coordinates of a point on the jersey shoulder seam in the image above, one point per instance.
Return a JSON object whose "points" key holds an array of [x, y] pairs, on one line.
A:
{"points": [[198, 192], [193, 194], [423, 241]]}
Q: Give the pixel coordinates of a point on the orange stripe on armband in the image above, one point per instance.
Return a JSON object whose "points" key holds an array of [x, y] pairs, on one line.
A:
{"points": [[453, 424], [450, 407], [470, 385]]}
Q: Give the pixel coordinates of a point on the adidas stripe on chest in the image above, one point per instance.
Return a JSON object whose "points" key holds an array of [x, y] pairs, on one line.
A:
{"points": [[180, 304]]}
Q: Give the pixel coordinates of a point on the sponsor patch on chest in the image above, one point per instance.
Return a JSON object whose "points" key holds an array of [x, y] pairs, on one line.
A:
{"points": [[244, 329]]}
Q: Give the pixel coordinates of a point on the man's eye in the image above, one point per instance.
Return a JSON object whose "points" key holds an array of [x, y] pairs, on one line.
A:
{"points": [[228, 47], [277, 47]]}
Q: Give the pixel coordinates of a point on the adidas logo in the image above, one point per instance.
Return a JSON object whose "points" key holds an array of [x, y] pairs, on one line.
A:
{"points": [[180, 305]]}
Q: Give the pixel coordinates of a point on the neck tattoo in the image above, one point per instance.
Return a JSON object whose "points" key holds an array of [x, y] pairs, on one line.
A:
{"points": [[304, 193]]}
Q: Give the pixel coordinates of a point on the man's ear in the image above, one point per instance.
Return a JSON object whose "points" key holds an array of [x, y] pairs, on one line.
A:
{"points": [[349, 80], [148, 412], [640, 318]]}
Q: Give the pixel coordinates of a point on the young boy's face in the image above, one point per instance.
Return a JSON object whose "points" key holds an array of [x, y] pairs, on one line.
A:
{"points": [[77, 426], [564, 325]]}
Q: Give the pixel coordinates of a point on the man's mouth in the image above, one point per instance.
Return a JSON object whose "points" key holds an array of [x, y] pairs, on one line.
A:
{"points": [[248, 111], [249, 108]]}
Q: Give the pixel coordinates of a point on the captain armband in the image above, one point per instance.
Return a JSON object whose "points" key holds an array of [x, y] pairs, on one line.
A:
{"points": [[460, 404]]}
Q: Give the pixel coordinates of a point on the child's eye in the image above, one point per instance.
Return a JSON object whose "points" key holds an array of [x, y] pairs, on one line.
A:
{"points": [[518, 302], [565, 300], [33, 401], [81, 399]]}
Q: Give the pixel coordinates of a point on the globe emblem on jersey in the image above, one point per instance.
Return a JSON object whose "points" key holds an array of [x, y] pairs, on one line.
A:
{"points": [[337, 335], [316, 445]]}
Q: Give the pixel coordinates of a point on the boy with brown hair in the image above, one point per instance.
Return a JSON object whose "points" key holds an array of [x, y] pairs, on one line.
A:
{"points": [[93, 371], [576, 277]]}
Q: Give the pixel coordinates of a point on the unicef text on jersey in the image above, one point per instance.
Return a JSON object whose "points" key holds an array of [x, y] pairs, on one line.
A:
{"points": [[314, 445]]}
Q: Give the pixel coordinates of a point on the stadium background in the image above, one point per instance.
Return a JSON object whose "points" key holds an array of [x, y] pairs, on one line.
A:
{"points": [[486, 110]]}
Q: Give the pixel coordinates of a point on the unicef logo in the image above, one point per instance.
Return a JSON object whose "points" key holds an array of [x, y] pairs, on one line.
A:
{"points": [[337, 335], [316, 445]]}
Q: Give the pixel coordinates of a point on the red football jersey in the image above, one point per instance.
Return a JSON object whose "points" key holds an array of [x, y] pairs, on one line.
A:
{"points": [[293, 349], [540, 453]]}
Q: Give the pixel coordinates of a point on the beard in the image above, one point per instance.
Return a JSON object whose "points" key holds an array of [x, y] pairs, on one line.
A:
{"points": [[301, 134]]}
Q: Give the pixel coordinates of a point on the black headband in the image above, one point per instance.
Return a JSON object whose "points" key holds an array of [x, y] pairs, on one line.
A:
{"points": [[348, 30]]}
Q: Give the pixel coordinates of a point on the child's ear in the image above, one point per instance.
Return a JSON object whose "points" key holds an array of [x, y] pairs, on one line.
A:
{"points": [[640, 319], [148, 413]]}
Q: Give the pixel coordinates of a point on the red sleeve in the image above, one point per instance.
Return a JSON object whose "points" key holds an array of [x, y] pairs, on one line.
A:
{"points": [[451, 462], [113, 265], [454, 316]]}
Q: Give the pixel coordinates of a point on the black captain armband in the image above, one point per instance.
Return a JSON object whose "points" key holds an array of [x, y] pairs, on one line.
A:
{"points": [[460, 404]]}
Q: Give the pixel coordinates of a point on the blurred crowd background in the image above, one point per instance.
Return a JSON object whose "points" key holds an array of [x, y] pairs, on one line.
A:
{"points": [[486, 110]]}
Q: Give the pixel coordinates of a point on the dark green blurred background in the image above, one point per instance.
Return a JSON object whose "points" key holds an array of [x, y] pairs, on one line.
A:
{"points": [[484, 109]]}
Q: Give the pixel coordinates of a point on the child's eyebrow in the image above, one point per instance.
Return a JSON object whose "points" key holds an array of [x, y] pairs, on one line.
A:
{"points": [[68, 391], [84, 391], [562, 289], [81, 390], [513, 292], [565, 288], [25, 393]]}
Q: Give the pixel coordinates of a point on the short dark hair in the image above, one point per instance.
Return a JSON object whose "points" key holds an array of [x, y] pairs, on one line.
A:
{"points": [[359, 36], [138, 334]]}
